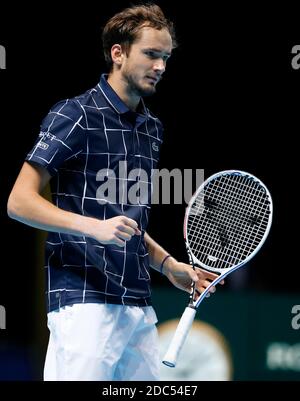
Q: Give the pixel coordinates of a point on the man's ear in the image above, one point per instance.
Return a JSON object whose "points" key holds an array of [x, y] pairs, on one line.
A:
{"points": [[117, 54]]}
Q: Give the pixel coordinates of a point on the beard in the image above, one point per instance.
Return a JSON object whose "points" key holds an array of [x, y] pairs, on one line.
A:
{"points": [[138, 89]]}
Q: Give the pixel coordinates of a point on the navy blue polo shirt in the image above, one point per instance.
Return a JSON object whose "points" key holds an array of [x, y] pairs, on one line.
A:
{"points": [[85, 143]]}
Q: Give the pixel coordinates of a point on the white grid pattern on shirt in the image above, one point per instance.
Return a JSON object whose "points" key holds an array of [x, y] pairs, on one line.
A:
{"points": [[142, 157]]}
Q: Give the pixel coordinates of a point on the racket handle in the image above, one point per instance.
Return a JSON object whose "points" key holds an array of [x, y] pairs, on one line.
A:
{"points": [[179, 337]]}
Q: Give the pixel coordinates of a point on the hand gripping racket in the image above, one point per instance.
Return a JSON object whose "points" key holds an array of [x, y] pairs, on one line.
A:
{"points": [[226, 222]]}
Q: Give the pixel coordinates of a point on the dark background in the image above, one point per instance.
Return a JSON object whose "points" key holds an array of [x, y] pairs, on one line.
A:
{"points": [[229, 100]]}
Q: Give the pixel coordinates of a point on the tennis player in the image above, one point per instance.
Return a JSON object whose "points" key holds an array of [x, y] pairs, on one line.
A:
{"points": [[98, 254]]}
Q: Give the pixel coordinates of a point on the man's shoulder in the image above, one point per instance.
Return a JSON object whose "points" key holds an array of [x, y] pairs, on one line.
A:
{"points": [[67, 107], [76, 101], [89, 97], [74, 107]]}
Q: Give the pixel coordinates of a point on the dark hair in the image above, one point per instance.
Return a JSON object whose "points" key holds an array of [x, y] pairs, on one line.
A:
{"points": [[124, 28]]}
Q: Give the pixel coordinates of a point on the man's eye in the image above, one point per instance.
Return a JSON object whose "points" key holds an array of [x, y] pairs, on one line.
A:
{"points": [[151, 54], [154, 55]]}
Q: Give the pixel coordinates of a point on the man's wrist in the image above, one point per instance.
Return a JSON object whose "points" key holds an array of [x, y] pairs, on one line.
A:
{"points": [[166, 264], [163, 263], [86, 226]]}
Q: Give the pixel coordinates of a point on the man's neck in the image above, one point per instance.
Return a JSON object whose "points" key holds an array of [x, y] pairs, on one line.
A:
{"points": [[121, 89]]}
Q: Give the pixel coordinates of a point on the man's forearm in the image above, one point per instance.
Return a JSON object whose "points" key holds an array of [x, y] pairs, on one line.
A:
{"points": [[157, 254], [35, 211]]}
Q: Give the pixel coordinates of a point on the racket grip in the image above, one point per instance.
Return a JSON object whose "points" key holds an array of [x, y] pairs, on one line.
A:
{"points": [[179, 337]]}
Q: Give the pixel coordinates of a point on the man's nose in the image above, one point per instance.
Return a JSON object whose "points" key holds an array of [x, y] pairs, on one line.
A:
{"points": [[159, 66]]}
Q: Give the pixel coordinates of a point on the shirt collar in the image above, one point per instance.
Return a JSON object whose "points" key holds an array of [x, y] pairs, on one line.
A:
{"points": [[115, 101]]}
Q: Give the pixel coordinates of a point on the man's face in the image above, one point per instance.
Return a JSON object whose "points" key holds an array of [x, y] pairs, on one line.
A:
{"points": [[146, 61]]}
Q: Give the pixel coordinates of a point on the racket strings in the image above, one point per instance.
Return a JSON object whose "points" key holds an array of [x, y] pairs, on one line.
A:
{"points": [[226, 206], [232, 216], [228, 220], [224, 238], [233, 200], [241, 249]]}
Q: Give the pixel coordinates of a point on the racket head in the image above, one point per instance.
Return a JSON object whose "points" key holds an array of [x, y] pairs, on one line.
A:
{"points": [[227, 221]]}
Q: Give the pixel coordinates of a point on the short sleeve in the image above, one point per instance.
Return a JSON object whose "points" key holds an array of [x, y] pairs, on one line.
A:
{"points": [[61, 136]]}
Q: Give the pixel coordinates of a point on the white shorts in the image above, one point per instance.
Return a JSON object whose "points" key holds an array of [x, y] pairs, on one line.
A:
{"points": [[102, 342]]}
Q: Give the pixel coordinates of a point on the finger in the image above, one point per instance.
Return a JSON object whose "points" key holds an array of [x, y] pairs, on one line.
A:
{"points": [[119, 242], [126, 229], [198, 293], [123, 236], [130, 222], [205, 283], [199, 290], [208, 275], [212, 289]]}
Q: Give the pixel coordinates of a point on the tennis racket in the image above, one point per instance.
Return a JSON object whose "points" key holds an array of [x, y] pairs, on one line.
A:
{"points": [[226, 222]]}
